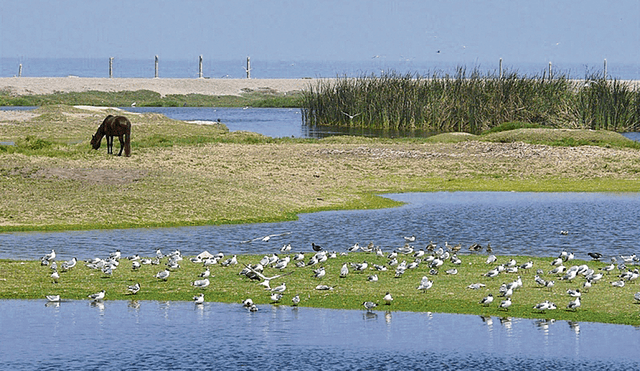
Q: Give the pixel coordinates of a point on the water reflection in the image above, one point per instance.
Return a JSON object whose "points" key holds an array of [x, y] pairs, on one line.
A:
{"points": [[161, 334]]}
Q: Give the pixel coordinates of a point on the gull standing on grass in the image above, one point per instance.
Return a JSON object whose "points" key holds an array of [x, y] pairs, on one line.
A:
{"points": [[506, 304], [276, 297], [487, 300], [279, 289], [344, 270], [97, 296], [50, 256], [55, 276], [387, 298], [369, 305], [425, 283], [295, 300], [163, 275], [134, 288], [198, 299], [574, 304], [201, 283]]}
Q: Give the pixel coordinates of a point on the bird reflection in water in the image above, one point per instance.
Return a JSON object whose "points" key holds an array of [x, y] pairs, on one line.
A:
{"points": [[134, 304], [369, 315], [575, 326]]}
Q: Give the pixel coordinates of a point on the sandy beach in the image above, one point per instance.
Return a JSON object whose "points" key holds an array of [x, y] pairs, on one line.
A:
{"points": [[47, 85]]}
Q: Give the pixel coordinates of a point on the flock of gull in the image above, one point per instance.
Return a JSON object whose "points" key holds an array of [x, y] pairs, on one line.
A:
{"points": [[404, 258]]}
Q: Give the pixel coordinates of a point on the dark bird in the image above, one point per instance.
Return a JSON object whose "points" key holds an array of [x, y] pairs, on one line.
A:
{"points": [[595, 255], [316, 247]]}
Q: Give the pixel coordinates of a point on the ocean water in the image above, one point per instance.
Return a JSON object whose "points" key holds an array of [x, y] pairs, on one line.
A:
{"points": [[92, 67]]}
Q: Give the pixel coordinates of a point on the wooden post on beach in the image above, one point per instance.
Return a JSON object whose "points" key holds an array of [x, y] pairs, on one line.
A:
{"points": [[248, 68], [500, 67], [550, 77], [156, 66], [20, 70], [200, 67], [110, 67], [605, 69]]}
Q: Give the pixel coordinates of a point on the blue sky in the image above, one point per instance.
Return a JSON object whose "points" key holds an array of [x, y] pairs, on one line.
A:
{"points": [[573, 31]]}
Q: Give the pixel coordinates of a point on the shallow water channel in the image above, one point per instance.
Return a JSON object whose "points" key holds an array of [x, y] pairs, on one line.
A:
{"points": [[514, 223], [182, 335], [170, 335]]}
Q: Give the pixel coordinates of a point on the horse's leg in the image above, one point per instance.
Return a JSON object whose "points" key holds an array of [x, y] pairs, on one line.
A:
{"points": [[120, 137], [110, 144]]}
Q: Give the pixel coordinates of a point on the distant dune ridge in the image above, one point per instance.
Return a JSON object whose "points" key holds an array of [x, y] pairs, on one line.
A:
{"points": [[164, 86]]}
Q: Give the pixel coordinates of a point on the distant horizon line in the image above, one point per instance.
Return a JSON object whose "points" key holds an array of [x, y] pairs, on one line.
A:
{"points": [[305, 60]]}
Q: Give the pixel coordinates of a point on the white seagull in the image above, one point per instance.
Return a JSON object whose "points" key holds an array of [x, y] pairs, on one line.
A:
{"points": [[574, 304], [205, 274], [201, 283], [50, 256], [351, 117], [344, 270], [198, 299], [506, 304], [411, 238], [163, 275], [279, 289], [425, 283], [324, 287], [319, 273], [369, 305], [97, 296], [476, 286], [134, 288], [617, 283], [53, 298], [276, 297], [487, 300], [69, 264], [296, 300], [247, 302], [387, 298]]}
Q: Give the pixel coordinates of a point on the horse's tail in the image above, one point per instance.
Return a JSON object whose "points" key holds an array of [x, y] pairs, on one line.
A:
{"points": [[127, 140]]}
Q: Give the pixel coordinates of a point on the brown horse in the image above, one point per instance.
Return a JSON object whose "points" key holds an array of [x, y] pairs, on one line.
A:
{"points": [[112, 126]]}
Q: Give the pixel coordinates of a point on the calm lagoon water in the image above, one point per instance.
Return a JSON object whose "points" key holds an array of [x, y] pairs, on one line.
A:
{"points": [[514, 223], [182, 335], [272, 122]]}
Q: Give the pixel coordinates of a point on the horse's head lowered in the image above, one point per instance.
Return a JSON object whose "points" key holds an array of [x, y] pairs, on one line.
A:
{"points": [[95, 141]]}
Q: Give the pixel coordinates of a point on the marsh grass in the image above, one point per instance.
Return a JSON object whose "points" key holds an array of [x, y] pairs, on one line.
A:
{"points": [[449, 294], [471, 102], [147, 98]]}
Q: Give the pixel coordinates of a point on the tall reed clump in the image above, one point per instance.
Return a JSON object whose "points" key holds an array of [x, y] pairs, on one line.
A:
{"points": [[608, 104], [469, 102]]}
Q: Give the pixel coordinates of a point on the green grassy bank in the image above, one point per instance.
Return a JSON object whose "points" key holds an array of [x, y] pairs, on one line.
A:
{"points": [[449, 293]]}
